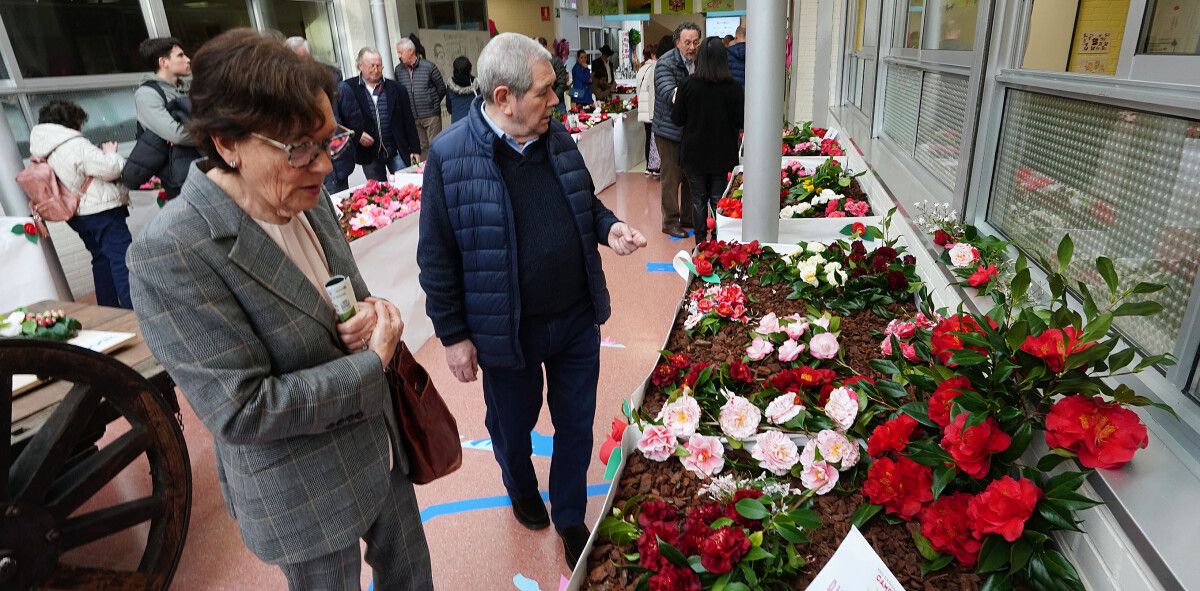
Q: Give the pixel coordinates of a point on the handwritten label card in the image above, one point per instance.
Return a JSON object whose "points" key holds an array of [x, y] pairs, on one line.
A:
{"points": [[855, 567]]}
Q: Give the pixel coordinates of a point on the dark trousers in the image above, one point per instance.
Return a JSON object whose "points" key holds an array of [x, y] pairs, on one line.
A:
{"points": [[567, 348], [378, 169], [675, 211], [706, 190], [333, 184], [649, 138], [106, 236]]}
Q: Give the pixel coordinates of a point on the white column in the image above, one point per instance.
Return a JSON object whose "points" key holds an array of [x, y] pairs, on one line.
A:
{"points": [[825, 61], [765, 25], [383, 43]]}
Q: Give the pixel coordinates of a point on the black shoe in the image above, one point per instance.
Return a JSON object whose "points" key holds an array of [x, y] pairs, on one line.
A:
{"points": [[575, 538], [531, 512], [675, 232]]}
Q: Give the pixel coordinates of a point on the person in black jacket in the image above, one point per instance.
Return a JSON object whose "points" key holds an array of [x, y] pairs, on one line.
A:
{"points": [[379, 112], [709, 109], [602, 75]]}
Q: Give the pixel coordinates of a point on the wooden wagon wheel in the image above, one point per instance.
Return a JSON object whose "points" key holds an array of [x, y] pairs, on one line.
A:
{"points": [[48, 481]]}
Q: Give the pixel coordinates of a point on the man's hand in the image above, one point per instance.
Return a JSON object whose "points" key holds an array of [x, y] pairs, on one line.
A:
{"points": [[624, 240], [462, 361], [366, 140]]}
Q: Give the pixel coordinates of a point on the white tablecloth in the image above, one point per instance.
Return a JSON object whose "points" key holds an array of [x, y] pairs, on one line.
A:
{"points": [[629, 141], [596, 145], [24, 276]]}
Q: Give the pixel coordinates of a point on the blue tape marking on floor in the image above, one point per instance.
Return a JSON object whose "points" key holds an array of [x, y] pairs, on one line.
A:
{"points": [[543, 445], [660, 268], [479, 504], [689, 232]]}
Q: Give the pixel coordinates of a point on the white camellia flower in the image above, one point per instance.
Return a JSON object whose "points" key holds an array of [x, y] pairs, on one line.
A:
{"points": [[786, 212], [808, 274], [800, 208], [815, 259], [815, 247], [828, 195], [739, 418], [681, 416], [962, 255], [11, 326]]}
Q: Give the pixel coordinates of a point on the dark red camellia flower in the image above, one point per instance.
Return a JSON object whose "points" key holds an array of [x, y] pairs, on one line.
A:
{"points": [[858, 246], [1053, 346], [723, 549], [663, 374], [674, 578], [655, 512], [939, 403], [1004, 507], [704, 267], [982, 276], [946, 525], [696, 527], [902, 486], [891, 436], [1103, 434], [942, 238], [679, 361], [741, 372], [972, 448], [801, 378], [647, 544], [945, 343], [909, 259], [690, 379], [897, 281]]}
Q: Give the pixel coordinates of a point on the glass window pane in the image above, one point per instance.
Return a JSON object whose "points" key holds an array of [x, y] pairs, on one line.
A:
{"points": [[474, 15], [194, 22], [1092, 45], [70, 38], [441, 15], [1122, 183], [939, 130], [304, 19], [912, 24], [860, 24], [111, 114], [950, 25], [17, 123], [900, 103], [1174, 27]]}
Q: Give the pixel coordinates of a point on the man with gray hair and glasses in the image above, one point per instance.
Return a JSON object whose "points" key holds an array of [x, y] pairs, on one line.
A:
{"points": [[672, 69], [510, 229], [379, 112], [426, 89]]}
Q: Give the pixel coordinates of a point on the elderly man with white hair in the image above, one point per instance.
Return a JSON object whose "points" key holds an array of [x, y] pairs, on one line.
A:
{"points": [[510, 229], [426, 89]]}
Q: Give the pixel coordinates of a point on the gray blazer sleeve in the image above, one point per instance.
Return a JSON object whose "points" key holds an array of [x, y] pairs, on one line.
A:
{"points": [[198, 331]]}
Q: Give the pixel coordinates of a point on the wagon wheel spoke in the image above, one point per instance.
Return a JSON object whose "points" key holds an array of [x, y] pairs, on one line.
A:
{"points": [[85, 479], [90, 527], [40, 462], [6, 441], [68, 576]]}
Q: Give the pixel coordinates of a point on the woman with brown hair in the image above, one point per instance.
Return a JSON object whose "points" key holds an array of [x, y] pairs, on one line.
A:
{"points": [[228, 284]]}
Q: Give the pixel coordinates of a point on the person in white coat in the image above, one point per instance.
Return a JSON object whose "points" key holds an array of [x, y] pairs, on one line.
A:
{"points": [[94, 174], [645, 97]]}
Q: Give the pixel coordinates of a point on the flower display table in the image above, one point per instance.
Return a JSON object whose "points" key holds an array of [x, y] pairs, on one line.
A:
{"points": [[596, 145], [629, 141], [21, 258]]}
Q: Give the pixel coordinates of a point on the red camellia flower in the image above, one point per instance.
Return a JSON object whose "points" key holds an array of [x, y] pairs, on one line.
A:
{"points": [[982, 276], [858, 228], [972, 448], [891, 436], [939, 403], [663, 374], [945, 343], [801, 378], [723, 549], [29, 228], [741, 372], [902, 486], [1004, 507], [946, 525], [674, 578], [679, 361], [1053, 346], [818, 131], [1103, 434], [830, 147], [690, 379], [704, 267], [942, 238]]}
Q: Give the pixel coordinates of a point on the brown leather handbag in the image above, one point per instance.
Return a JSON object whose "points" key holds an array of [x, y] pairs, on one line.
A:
{"points": [[429, 431]]}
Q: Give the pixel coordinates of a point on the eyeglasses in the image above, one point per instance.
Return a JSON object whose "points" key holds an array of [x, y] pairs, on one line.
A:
{"points": [[305, 153]]}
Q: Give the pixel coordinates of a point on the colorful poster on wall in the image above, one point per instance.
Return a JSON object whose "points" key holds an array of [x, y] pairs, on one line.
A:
{"points": [[716, 5], [603, 7], [638, 6], [677, 7]]}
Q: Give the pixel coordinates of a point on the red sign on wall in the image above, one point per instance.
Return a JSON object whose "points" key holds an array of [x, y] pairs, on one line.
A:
{"points": [[546, 13]]}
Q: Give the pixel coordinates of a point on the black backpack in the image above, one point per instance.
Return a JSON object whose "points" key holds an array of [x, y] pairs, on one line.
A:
{"points": [[154, 156]]}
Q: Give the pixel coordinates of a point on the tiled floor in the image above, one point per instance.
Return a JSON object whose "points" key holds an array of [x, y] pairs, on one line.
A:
{"points": [[474, 540]]}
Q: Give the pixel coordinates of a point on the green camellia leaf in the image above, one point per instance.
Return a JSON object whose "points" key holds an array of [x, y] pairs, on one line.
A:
{"points": [[757, 553], [920, 412], [1021, 551], [805, 518], [751, 509], [931, 566], [997, 582], [697, 567], [1059, 565], [1074, 501], [942, 476], [1104, 266], [968, 357], [1089, 303], [1050, 462], [722, 522], [672, 554], [923, 546], [1097, 328], [993, 555], [790, 533], [1065, 482], [1065, 249], [1057, 517], [1019, 285], [864, 513], [1143, 288], [884, 367], [1146, 308], [1020, 442], [1120, 359]]}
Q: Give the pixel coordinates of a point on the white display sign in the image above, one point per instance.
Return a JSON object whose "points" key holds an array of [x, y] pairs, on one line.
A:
{"points": [[855, 567]]}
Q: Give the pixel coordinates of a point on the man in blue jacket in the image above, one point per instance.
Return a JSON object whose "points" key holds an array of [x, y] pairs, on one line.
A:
{"points": [[379, 112], [510, 228], [737, 56]]}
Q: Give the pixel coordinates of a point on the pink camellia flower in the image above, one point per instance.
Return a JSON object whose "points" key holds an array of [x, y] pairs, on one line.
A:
{"points": [[768, 325], [842, 407], [837, 450], [691, 321], [820, 477], [681, 416], [857, 208], [962, 255], [822, 322], [824, 345], [783, 408], [790, 350], [657, 443], [706, 455], [909, 352], [740, 418], [759, 349], [775, 452], [796, 328], [902, 330]]}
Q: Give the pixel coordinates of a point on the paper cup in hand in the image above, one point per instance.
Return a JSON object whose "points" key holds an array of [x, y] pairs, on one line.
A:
{"points": [[341, 295]]}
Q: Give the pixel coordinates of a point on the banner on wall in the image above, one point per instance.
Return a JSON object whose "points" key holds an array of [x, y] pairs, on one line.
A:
{"points": [[716, 5], [677, 7], [639, 6], [603, 7]]}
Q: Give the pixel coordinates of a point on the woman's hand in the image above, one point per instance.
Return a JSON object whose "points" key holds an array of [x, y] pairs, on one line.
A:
{"points": [[356, 331], [388, 328], [109, 147]]}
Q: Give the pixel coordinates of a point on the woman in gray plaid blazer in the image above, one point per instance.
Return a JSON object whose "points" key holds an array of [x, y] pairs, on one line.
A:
{"points": [[226, 284]]}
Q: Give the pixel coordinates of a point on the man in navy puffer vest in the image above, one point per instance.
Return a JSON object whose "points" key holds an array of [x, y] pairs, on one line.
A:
{"points": [[510, 228]]}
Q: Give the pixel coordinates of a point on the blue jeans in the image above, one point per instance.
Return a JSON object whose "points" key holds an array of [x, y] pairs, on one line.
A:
{"points": [[106, 236], [375, 169], [568, 347]]}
